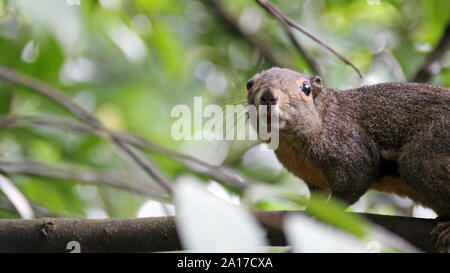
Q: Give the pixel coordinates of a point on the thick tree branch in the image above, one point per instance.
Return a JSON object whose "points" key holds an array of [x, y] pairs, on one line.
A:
{"points": [[106, 235], [284, 19], [159, 233], [426, 70], [60, 98]]}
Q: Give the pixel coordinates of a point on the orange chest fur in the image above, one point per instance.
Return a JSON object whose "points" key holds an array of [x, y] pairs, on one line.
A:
{"points": [[301, 167], [398, 186]]}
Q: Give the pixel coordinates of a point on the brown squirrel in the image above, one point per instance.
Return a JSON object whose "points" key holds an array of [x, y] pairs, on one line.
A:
{"points": [[391, 137]]}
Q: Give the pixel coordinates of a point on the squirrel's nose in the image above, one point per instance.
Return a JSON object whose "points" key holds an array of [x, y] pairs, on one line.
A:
{"points": [[268, 98]]}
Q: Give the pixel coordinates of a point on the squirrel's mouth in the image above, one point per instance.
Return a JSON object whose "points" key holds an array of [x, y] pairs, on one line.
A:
{"points": [[269, 117], [265, 118], [267, 112]]}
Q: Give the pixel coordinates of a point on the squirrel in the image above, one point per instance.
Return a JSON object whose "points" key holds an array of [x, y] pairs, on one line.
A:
{"points": [[390, 137]]}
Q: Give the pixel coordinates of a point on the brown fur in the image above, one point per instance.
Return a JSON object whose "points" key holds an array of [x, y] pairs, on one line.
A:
{"points": [[391, 137], [396, 185], [302, 167]]}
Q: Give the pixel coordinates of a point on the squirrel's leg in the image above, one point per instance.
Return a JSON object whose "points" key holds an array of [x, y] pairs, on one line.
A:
{"points": [[348, 196], [428, 175], [349, 184], [441, 234], [350, 162], [425, 165]]}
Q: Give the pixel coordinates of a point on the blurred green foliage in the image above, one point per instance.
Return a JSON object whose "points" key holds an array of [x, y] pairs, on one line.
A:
{"points": [[129, 62]]}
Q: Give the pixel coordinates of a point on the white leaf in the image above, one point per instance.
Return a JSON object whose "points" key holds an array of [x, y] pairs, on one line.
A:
{"points": [[209, 224], [14, 195], [306, 235]]}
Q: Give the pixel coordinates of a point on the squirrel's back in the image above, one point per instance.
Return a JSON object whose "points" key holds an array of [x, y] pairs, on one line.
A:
{"points": [[392, 112]]}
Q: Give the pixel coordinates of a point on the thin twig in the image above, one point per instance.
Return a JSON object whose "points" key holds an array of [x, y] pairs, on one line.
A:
{"points": [[13, 120], [270, 53], [143, 162], [59, 97], [84, 176], [426, 70], [218, 173], [283, 18], [39, 211], [308, 57]]}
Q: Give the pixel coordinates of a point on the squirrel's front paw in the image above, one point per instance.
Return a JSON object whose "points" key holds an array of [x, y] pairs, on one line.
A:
{"points": [[441, 236]]}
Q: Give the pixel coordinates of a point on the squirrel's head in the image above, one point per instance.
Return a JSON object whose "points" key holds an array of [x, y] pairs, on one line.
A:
{"points": [[294, 94]]}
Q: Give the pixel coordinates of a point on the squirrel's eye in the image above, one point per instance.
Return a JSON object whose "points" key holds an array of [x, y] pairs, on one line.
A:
{"points": [[249, 84], [305, 88]]}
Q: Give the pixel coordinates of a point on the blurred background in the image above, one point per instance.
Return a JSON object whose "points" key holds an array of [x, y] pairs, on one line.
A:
{"points": [[130, 62]]}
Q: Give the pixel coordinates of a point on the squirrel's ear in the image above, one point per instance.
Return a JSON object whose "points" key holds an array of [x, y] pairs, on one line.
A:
{"points": [[252, 81], [316, 84]]}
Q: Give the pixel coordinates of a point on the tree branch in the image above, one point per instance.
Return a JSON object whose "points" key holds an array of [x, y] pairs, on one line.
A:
{"points": [[39, 211], [284, 19], [308, 57], [60, 98], [230, 178], [159, 233], [426, 70], [272, 55], [105, 235], [86, 176]]}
